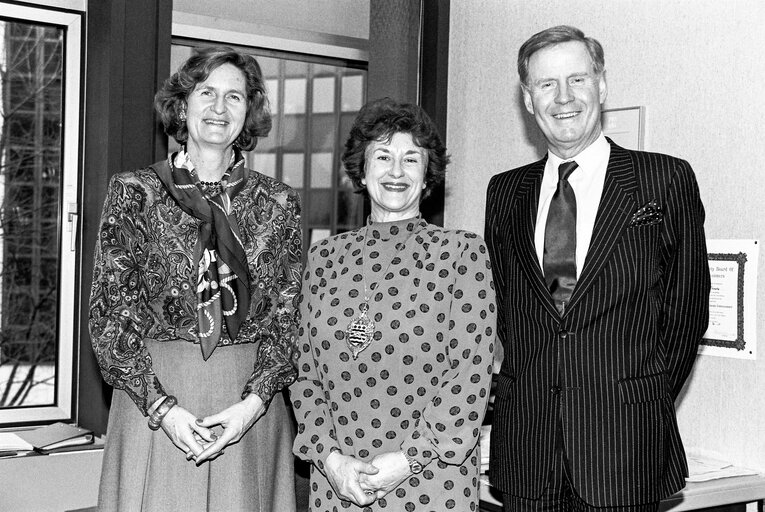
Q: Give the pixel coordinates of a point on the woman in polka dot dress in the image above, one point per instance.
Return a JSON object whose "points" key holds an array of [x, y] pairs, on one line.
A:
{"points": [[397, 336]]}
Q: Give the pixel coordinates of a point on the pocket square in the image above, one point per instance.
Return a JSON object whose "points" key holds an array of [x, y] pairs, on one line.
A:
{"points": [[649, 213]]}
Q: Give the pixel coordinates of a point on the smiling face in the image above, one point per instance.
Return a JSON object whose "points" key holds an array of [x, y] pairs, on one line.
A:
{"points": [[216, 109], [394, 175], [565, 96]]}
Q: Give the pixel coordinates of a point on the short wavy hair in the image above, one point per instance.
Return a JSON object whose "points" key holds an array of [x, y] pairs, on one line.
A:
{"points": [[557, 35], [170, 100], [379, 120]]}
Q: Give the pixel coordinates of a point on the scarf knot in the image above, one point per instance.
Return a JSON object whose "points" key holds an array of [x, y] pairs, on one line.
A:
{"points": [[223, 289]]}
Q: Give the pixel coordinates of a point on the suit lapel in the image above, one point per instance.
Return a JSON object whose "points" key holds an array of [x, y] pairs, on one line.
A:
{"points": [[617, 205], [523, 221]]}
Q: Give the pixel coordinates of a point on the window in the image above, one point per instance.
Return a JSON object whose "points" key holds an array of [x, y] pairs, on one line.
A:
{"points": [[39, 141], [314, 102]]}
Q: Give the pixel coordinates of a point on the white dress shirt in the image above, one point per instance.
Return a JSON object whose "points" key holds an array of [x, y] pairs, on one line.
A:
{"points": [[587, 181]]}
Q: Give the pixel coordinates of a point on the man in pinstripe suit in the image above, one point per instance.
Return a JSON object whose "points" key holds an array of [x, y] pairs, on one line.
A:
{"points": [[584, 416]]}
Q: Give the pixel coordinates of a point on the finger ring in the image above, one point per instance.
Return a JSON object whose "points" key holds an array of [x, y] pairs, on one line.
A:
{"points": [[369, 493]]}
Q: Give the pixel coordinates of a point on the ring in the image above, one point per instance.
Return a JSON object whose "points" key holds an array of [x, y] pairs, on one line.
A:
{"points": [[369, 493]]}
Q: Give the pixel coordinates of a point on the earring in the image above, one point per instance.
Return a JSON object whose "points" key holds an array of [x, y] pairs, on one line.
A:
{"points": [[182, 115]]}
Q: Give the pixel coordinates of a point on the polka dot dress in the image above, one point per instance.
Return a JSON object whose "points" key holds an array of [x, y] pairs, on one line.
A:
{"points": [[422, 384]]}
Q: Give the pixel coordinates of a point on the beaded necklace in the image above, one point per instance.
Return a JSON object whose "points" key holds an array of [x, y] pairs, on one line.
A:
{"points": [[211, 188]]}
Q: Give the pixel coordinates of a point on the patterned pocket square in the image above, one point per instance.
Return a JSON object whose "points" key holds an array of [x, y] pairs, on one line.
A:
{"points": [[650, 213]]}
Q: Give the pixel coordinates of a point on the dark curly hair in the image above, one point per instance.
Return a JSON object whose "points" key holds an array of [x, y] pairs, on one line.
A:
{"points": [[379, 120], [170, 100]]}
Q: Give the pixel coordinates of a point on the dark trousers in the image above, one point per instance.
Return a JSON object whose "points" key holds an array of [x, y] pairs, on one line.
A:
{"points": [[559, 494]]}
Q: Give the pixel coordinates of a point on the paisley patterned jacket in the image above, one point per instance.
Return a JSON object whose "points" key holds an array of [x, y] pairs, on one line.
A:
{"points": [[144, 281]]}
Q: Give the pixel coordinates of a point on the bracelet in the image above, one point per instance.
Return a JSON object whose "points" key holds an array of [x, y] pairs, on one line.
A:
{"points": [[155, 420]]}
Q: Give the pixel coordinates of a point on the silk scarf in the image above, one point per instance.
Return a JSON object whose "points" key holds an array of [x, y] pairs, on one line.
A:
{"points": [[223, 291]]}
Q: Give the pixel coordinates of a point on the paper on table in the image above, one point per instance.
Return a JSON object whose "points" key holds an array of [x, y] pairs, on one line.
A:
{"points": [[704, 466], [483, 440], [10, 442]]}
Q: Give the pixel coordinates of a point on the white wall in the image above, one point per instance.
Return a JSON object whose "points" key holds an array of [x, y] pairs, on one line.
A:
{"points": [[698, 69]]}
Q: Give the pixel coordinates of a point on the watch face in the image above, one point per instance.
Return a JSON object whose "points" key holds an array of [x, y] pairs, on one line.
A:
{"points": [[414, 465]]}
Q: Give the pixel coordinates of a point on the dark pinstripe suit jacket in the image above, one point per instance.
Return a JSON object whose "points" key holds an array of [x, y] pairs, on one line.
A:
{"points": [[610, 369]]}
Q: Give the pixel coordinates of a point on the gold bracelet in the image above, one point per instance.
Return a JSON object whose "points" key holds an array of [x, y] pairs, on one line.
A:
{"points": [[155, 420]]}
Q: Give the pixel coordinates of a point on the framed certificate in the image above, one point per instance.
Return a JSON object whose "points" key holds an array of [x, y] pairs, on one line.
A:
{"points": [[732, 299], [625, 126]]}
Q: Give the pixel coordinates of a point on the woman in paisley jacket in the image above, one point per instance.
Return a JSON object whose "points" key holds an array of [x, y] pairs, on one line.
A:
{"points": [[192, 310]]}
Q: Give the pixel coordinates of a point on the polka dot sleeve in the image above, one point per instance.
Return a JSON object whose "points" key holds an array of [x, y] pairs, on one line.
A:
{"points": [[449, 426], [316, 437]]}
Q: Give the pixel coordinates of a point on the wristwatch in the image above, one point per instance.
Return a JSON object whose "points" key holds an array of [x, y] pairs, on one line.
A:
{"points": [[414, 465]]}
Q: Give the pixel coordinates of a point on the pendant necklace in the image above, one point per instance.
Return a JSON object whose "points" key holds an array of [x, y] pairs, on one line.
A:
{"points": [[358, 334]]}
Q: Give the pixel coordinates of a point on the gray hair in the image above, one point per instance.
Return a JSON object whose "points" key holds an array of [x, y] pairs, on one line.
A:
{"points": [[557, 35]]}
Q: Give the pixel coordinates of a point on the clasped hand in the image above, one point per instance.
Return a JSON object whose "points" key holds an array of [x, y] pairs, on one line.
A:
{"points": [[195, 437], [364, 482]]}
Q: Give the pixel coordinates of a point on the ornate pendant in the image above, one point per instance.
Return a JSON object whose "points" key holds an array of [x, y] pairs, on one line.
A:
{"points": [[358, 334]]}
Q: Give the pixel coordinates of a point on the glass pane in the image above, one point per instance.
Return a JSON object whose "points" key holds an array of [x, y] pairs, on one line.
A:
{"points": [[350, 207], [346, 121], [293, 133], [324, 95], [293, 68], [31, 58], [320, 207], [321, 170], [353, 93], [269, 142], [294, 95], [272, 87], [263, 162], [323, 127], [292, 172]]}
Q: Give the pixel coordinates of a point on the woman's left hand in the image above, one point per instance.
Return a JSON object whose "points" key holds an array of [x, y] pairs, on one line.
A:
{"points": [[394, 469], [235, 420]]}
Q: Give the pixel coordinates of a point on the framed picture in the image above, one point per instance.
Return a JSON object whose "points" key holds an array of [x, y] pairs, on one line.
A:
{"points": [[732, 299], [625, 126]]}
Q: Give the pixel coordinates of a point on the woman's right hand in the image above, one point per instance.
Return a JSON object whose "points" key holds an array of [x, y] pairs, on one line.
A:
{"points": [[343, 472], [181, 427]]}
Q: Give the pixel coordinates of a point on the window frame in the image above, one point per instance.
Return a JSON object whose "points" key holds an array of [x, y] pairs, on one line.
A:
{"points": [[64, 403]]}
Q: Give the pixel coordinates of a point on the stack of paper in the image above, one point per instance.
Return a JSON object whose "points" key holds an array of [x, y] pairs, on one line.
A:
{"points": [[11, 444], [704, 466]]}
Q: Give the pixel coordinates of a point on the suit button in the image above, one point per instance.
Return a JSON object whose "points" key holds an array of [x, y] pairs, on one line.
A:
{"points": [[555, 390], [563, 334]]}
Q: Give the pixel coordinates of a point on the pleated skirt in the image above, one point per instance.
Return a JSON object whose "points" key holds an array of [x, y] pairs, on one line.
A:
{"points": [[144, 471]]}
